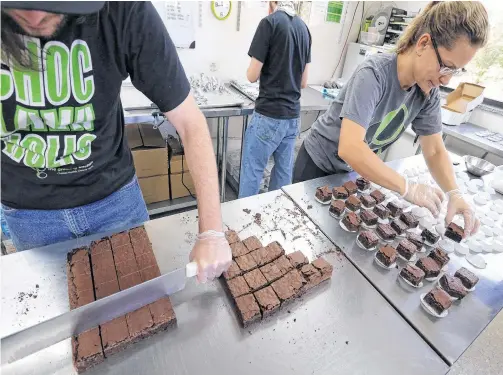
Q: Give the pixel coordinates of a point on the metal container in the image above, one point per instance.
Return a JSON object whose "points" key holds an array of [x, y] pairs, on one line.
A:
{"points": [[478, 167]]}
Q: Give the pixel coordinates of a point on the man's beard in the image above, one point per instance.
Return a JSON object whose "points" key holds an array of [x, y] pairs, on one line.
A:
{"points": [[60, 26]]}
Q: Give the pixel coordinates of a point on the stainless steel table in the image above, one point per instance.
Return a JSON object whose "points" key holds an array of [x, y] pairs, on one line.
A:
{"points": [[451, 335], [344, 327]]}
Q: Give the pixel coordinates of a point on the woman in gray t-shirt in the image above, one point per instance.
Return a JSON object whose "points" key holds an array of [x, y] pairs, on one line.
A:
{"points": [[389, 91]]}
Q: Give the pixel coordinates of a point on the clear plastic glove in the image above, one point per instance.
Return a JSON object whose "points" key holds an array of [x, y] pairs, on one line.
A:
{"points": [[424, 196], [212, 254], [458, 205]]}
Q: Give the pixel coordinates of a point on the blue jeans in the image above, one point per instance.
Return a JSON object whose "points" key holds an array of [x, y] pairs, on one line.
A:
{"points": [[264, 137], [35, 228]]}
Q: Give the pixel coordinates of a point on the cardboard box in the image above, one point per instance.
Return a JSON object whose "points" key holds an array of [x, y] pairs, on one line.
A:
{"points": [[176, 164], [155, 189], [150, 162], [177, 188], [133, 136], [461, 102]]}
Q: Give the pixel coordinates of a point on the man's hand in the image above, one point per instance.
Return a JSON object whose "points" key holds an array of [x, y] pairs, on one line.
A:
{"points": [[212, 254], [458, 205], [424, 196]]}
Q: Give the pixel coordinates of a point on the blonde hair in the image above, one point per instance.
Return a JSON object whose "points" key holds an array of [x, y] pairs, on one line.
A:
{"points": [[446, 21]]}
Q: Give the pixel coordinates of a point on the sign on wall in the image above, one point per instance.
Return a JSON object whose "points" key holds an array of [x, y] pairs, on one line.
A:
{"points": [[180, 18]]}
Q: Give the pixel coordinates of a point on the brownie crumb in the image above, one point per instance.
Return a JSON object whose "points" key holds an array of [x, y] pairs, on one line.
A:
{"points": [[246, 210]]}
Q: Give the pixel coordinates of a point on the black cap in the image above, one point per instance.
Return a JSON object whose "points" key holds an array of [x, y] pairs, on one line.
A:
{"points": [[61, 7]]}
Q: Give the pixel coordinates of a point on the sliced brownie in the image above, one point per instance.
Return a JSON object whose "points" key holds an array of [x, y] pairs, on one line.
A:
{"points": [[412, 274], [323, 194], [252, 243], [238, 286], [453, 286], [350, 187], [232, 271], [438, 300], [267, 300], [386, 232], [297, 259], [378, 196], [409, 219], [394, 208], [399, 226], [255, 279], [368, 239], [231, 237], [454, 232], [353, 203], [340, 192], [246, 262], [386, 255], [429, 266], [406, 249], [337, 207], [362, 183], [324, 267], [289, 286], [274, 270], [352, 221], [248, 308], [439, 256], [381, 211], [238, 249], [416, 239], [311, 274], [369, 218], [429, 236], [367, 201], [468, 278]]}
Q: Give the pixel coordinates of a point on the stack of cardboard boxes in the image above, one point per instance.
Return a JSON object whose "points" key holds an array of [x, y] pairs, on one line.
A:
{"points": [[159, 179]]}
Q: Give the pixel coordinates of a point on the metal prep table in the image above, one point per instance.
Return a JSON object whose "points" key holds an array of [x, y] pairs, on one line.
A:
{"points": [[467, 132], [345, 326], [451, 335]]}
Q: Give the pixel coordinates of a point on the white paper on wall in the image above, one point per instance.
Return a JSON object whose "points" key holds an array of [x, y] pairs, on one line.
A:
{"points": [[180, 18]]}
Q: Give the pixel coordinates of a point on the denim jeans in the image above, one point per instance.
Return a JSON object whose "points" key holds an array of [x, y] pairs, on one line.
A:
{"points": [[35, 228], [264, 137]]}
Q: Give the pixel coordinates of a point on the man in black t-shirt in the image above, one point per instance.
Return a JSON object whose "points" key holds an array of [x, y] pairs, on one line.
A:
{"points": [[67, 171], [280, 54]]}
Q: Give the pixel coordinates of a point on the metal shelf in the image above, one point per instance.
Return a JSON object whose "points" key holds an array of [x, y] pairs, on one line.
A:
{"points": [[171, 205]]}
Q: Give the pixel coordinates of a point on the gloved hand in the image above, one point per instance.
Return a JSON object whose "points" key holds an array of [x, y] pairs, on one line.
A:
{"points": [[212, 254], [424, 196], [458, 205]]}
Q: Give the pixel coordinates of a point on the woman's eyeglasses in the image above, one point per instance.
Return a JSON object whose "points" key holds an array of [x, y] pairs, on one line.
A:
{"points": [[445, 70]]}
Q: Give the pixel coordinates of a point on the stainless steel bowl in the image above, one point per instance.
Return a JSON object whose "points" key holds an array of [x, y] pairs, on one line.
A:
{"points": [[478, 167]]}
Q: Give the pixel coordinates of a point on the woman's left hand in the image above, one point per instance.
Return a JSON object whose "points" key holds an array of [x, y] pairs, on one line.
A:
{"points": [[458, 205]]}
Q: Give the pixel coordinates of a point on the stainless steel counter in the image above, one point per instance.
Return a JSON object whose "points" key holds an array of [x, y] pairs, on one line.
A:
{"points": [[451, 335], [344, 327], [466, 132]]}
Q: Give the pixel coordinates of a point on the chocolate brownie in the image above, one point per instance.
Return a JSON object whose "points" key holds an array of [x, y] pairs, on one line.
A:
{"points": [[406, 249], [312, 275], [87, 351], [399, 226], [238, 249], [439, 256], [323, 193], [386, 255], [378, 196], [429, 266], [454, 232], [453, 286], [362, 183], [394, 209], [353, 203], [337, 207], [289, 286], [246, 262], [367, 201], [324, 267], [416, 239], [368, 239], [238, 286], [297, 259], [255, 279], [248, 309], [350, 186], [267, 300], [252, 243], [232, 271], [409, 219], [352, 221], [231, 237], [274, 270], [468, 278], [429, 236], [412, 274], [438, 300], [369, 218], [340, 192], [386, 232], [381, 211]]}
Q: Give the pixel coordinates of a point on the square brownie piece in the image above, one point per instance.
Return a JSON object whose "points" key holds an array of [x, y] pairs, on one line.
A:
{"points": [[412, 274], [238, 249], [231, 237], [353, 203], [386, 255], [312, 275], [255, 280], [246, 262], [267, 300], [369, 218], [454, 232], [252, 243], [238, 286], [368, 239], [416, 239], [362, 183], [337, 207], [399, 226], [323, 194], [386, 232], [409, 219], [352, 221], [394, 209], [289, 286], [453, 286], [429, 236], [468, 278], [367, 201], [350, 186], [340, 192], [248, 309], [274, 270], [438, 300], [324, 267], [233, 271], [439, 256], [429, 266], [381, 211], [267, 254], [406, 249], [378, 196], [297, 259]]}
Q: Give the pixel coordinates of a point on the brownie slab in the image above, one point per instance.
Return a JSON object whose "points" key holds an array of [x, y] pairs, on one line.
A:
{"points": [[438, 300], [350, 186], [406, 249], [252, 243], [381, 211], [429, 266], [274, 270], [231, 237], [337, 207], [468, 278], [340, 192], [255, 279], [409, 219], [453, 286], [267, 300], [238, 286], [399, 226], [367, 201], [323, 193], [412, 274], [297, 259], [368, 239], [362, 183], [394, 209], [454, 232], [369, 218], [267, 254], [429, 236], [238, 249], [378, 196], [353, 203], [386, 232], [248, 309], [386, 255], [87, 351], [289, 286], [324, 267], [416, 239], [232, 271], [352, 221], [246, 263], [439, 256]]}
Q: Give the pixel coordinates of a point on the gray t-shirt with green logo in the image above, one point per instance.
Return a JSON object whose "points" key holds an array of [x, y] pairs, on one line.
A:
{"points": [[374, 99]]}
